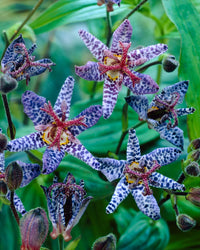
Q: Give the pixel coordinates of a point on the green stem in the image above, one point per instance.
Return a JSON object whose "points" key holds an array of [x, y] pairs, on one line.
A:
{"points": [[60, 242], [109, 29], [148, 65], [12, 206], [27, 19], [135, 9], [159, 73]]}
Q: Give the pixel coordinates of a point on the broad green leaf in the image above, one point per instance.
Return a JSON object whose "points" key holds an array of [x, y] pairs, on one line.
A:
{"points": [[70, 11], [184, 15]]}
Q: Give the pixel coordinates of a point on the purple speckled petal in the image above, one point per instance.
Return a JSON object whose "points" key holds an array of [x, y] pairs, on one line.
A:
{"points": [[32, 104], [90, 71], [80, 152], [65, 95], [91, 117], [18, 204], [95, 46], [52, 159], [163, 156], [139, 104], [147, 204], [111, 168], [147, 53], [172, 135], [179, 87], [2, 162], [115, 1], [110, 94], [30, 172], [184, 111], [10, 55], [121, 192], [123, 34], [35, 70], [28, 142], [146, 85], [160, 181], [133, 148]]}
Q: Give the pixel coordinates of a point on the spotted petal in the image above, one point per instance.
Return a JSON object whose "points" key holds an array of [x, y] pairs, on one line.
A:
{"points": [[79, 151], [139, 104], [110, 94], [133, 148], [123, 34], [146, 85], [32, 104], [147, 204], [28, 142], [163, 156], [121, 192], [160, 181], [90, 71], [180, 87], [147, 53], [95, 46], [65, 95], [51, 159], [2, 162], [30, 172], [91, 117], [185, 111], [111, 168], [18, 204], [173, 135]]}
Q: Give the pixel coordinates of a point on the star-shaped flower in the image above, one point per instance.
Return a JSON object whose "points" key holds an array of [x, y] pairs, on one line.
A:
{"points": [[108, 3], [115, 65], [19, 63], [30, 171], [137, 173], [53, 129], [66, 204], [161, 109]]}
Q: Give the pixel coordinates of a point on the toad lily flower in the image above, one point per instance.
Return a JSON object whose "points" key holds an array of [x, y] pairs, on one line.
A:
{"points": [[66, 204], [161, 109], [109, 4], [19, 63], [53, 129], [137, 173], [29, 172], [115, 65]]}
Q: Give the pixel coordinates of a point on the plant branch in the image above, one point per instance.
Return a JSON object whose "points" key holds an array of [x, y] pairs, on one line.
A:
{"points": [[135, 9], [27, 19], [12, 206], [109, 29], [148, 65], [60, 242]]}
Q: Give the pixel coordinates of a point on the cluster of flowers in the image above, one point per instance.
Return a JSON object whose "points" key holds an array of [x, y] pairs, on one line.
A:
{"points": [[58, 134]]}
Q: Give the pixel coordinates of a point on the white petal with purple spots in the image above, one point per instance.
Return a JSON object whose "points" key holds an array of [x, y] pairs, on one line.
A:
{"points": [[133, 148], [90, 71]]}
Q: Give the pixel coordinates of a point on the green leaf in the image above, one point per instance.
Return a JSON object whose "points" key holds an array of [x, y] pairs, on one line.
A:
{"points": [[185, 16], [73, 244], [26, 31], [69, 11]]}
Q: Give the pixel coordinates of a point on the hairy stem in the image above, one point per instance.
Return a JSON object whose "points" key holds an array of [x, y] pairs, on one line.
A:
{"points": [[135, 9]]}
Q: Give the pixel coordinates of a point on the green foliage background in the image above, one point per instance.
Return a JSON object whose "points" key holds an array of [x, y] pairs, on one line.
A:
{"points": [[55, 28]]}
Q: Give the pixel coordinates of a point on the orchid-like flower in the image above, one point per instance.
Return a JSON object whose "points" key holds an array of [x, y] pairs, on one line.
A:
{"points": [[66, 204], [53, 129], [19, 63], [108, 3], [29, 172], [115, 65], [137, 173], [161, 109]]}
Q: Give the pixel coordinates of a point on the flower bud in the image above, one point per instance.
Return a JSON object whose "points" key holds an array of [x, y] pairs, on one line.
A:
{"points": [[13, 176], [7, 83], [169, 63], [105, 242], [34, 227], [192, 156], [185, 222], [193, 169], [194, 144], [3, 142], [194, 196], [3, 188]]}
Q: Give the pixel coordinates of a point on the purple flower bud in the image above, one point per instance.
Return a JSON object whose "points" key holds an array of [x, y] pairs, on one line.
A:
{"points": [[194, 144], [194, 196], [3, 188], [3, 142], [185, 222], [193, 169], [7, 83], [170, 63], [105, 242], [34, 227], [13, 176]]}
